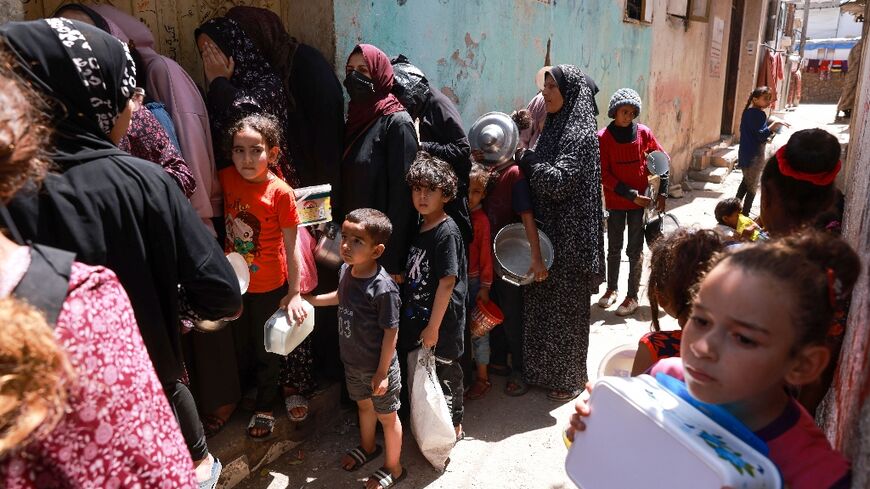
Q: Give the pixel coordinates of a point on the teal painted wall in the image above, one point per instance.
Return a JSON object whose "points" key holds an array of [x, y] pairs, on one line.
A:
{"points": [[485, 53]]}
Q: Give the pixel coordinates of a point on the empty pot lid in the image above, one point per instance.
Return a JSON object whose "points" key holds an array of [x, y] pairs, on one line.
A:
{"points": [[496, 134]]}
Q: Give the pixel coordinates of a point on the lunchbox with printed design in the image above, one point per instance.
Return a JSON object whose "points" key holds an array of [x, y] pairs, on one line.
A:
{"points": [[643, 434]]}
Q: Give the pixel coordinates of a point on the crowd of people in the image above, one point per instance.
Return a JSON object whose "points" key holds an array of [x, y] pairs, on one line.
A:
{"points": [[124, 185]]}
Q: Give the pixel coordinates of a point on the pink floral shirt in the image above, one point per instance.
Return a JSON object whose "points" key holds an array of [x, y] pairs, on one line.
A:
{"points": [[119, 430]]}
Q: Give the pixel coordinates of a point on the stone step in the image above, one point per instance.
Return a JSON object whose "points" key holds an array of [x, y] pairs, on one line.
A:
{"points": [[724, 158], [242, 456], [705, 186], [713, 174]]}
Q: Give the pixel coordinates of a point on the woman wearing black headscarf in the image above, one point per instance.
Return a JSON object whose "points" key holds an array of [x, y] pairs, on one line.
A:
{"points": [[565, 177], [315, 103], [240, 82], [116, 210]]}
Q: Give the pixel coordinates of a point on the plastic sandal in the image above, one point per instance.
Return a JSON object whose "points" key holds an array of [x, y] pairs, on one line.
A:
{"points": [[296, 401], [212, 481], [261, 421], [520, 387], [385, 478], [212, 424], [562, 396], [360, 457], [478, 389]]}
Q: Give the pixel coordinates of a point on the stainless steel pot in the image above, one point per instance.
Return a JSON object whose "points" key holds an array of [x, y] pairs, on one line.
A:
{"points": [[328, 249], [513, 254]]}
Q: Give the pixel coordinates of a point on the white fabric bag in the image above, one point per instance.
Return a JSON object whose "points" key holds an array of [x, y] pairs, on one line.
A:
{"points": [[431, 422]]}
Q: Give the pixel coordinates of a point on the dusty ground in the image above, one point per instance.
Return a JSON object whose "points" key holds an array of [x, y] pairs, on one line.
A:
{"points": [[511, 442]]}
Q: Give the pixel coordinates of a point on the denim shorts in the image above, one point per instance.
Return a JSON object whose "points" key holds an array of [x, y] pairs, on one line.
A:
{"points": [[359, 387]]}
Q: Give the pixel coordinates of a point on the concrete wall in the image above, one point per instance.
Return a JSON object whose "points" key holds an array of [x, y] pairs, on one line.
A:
{"points": [[685, 101], [484, 55]]}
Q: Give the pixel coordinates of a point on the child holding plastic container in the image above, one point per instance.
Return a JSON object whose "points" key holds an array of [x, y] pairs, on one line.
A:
{"points": [[368, 323], [678, 261], [479, 273], [261, 219], [508, 201], [758, 324], [434, 291]]}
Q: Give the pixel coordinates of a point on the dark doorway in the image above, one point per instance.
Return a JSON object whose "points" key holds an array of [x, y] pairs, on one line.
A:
{"points": [[732, 65]]}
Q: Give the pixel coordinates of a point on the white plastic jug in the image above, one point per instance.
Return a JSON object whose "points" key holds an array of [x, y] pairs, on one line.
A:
{"points": [[282, 336]]}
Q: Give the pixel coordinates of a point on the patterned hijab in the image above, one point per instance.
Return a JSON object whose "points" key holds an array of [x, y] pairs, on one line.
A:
{"points": [[267, 32], [89, 73], [569, 139], [359, 116], [258, 88]]}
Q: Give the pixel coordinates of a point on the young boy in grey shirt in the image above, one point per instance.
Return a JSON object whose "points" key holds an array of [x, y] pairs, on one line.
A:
{"points": [[368, 324]]}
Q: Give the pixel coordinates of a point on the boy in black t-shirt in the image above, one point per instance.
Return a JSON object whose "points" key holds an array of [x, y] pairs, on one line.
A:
{"points": [[433, 294], [368, 321]]}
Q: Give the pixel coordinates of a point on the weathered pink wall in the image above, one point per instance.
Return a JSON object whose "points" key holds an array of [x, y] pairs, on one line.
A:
{"points": [[847, 421], [684, 101]]}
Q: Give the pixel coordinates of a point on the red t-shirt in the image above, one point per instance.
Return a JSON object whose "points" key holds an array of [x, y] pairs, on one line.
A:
{"points": [[254, 214], [797, 446], [480, 250], [509, 197]]}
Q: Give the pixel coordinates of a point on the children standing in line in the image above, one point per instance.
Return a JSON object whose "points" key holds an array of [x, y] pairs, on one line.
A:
{"points": [[434, 291], [479, 272], [368, 324], [624, 146], [678, 260], [728, 214], [759, 323], [261, 225], [754, 133]]}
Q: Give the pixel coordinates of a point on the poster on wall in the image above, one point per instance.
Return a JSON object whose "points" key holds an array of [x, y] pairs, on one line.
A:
{"points": [[716, 47]]}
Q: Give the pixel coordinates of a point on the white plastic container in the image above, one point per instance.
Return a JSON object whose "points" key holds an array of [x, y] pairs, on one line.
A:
{"points": [[281, 336], [642, 435]]}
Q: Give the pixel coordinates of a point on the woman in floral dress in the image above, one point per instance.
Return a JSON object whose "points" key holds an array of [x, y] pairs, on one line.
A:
{"points": [[565, 177]]}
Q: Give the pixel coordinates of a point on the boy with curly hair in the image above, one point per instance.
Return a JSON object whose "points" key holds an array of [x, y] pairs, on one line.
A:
{"points": [[434, 291]]}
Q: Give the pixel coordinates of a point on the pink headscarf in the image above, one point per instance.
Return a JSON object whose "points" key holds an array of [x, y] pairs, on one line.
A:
{"points": [[169, 83], [359, 115]]}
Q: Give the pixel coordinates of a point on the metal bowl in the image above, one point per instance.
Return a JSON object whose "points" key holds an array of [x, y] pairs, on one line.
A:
{"points": [[497, 135], [328, 249], [513, 254]]}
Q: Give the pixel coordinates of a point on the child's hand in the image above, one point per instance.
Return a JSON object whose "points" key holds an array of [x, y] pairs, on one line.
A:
{"points": [[477, 155], [660, 203], [292, 303], [429, 336], [398, 278], [483, 295], [642, 200], [380, 382], [582, 410], [538, 269]]}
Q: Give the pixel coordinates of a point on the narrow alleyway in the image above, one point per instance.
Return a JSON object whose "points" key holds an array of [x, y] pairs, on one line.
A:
{"points": [[514, 442]]}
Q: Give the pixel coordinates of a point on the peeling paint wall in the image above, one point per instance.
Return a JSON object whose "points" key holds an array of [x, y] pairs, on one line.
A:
{"points": [[484, 54], [685, 101]]}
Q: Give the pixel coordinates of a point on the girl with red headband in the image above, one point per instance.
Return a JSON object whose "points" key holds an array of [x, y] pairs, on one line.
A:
{"points": [[797, 184]]}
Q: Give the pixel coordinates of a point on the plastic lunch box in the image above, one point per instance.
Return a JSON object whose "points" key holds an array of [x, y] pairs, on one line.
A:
{"points": [[641, 434]]}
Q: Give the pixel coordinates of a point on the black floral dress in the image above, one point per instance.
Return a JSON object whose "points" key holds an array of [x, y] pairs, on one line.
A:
{"points": [[565, 177]]}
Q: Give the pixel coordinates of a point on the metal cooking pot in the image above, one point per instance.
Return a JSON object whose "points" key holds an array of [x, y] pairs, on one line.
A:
{"points": [[513, 254], [328, 249], [497, 135]]}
